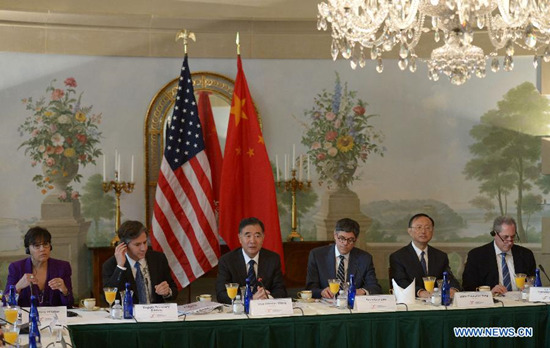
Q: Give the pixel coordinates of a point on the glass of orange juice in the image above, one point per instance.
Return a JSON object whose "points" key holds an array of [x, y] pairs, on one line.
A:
{"points": [[11, 313], [429, 283], [232, 289], [520, 280], [11, 334], [110, 295], [334, 287]]}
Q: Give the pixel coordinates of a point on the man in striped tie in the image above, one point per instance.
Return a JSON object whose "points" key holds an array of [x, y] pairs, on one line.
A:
{"points": [[418, 259], [146, 270], [261, 266], [495, 264], [339, 260]]}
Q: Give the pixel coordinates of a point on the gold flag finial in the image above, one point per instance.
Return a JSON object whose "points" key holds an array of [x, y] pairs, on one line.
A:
{"points": [[185, 35], [238, 45]]}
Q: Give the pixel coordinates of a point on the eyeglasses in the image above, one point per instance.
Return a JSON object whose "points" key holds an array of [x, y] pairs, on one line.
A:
{"points": [[420, 228], [345, 240], [513, 238], [46, 245]]}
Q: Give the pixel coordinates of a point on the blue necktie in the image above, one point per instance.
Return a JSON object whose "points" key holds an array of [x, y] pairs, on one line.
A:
{"points": [[423, 263], [506, 273], [140, 283], [252, 275], [341, 272]]}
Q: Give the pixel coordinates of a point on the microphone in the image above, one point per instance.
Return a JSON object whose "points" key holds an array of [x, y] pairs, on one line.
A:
{"points": [[543, 271], [262, 284]]}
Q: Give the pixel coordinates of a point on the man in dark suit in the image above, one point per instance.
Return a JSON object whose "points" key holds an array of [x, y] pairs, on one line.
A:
{"points": [[339, 260], [261, 266], [418, 259], [147, 271], [495, 264]]}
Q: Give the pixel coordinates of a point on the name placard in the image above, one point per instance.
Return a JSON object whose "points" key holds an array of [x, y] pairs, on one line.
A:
{"points": [[375, 303], [156, 312], [47, 315], [272, 306], [473, 299], [539, 294]]}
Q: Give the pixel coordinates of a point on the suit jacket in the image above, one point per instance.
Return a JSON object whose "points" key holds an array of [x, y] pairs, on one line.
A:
{"points": [[405, 266], [482, 269], [56, 269], [159, 271], [321, 266], [232, 269]]}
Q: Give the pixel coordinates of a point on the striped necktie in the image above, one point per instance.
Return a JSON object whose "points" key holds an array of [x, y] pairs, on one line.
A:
{"points": [[140, 283], [252, 275], [341, 271], [506, 273]]}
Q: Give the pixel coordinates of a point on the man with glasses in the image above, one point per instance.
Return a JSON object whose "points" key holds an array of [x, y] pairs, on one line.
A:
{"points": [[339, 260], [418, 259], [495, 264]]}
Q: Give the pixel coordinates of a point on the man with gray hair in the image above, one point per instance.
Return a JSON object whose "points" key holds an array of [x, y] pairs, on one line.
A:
{"points": [[495, 264]]}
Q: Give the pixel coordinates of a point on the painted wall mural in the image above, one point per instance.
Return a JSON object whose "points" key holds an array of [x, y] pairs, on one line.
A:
{"points": [[461, 154], [60, 134], [339, 135]]}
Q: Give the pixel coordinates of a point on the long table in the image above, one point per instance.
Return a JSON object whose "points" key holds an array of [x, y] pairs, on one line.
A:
{"points": [[320, 326]]}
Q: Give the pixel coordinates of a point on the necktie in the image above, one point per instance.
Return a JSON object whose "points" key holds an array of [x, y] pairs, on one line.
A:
{"points": [[140, 283], [252, 275], [341, 272], [506, 273], [423, 263]]}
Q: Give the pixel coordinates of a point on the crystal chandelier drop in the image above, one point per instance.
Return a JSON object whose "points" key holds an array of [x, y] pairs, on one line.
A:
{"points": [[369, 28]]}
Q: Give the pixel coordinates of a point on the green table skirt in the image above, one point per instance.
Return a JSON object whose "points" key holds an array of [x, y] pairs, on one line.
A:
{"points": [[399, 329]]}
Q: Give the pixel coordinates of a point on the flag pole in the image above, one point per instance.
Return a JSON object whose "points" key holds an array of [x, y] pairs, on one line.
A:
{"points": [[238, 45], [185, 35]]}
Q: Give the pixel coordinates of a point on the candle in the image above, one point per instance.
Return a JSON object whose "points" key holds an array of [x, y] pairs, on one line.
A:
{"points": [[132, 172], [300, 169], [277, 166], [308, 168], [286, 169], [293, 156], [104, 170], [116, 161], [118, 169]]}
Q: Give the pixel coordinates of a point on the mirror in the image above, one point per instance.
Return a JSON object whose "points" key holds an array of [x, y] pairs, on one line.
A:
{"points": [[160, 109]]}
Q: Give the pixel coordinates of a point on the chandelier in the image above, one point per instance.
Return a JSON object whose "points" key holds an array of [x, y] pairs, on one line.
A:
{"points": [[370, 28]]}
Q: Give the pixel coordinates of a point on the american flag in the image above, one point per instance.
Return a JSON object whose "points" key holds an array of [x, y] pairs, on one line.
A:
{"points": [[184, 223]]}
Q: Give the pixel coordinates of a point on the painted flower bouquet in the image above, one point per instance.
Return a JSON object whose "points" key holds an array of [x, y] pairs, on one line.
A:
{"points": [[62, 134], [339, 135]]}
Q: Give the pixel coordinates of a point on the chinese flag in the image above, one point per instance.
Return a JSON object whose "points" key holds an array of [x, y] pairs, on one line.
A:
{"points": [[247, 185], [211, 142]]}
